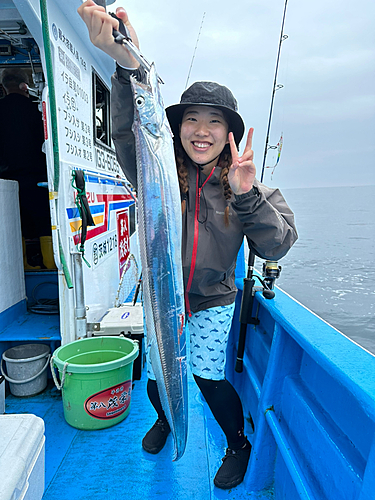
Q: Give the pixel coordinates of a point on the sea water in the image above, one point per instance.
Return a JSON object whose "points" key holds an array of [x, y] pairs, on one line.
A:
{"points": [[331, 267]]}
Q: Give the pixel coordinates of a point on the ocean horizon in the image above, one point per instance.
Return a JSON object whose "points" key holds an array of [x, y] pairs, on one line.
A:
{"points": [[331, 267]]}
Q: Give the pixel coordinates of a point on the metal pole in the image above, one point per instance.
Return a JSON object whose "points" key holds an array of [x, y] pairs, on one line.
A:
{"points": [[79, 295]]}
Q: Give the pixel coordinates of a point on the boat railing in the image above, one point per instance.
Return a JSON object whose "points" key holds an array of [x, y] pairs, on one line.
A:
{"points": [[309, 401]]}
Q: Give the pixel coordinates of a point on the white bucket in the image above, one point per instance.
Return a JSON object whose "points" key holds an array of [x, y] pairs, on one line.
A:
{"points": [[26, 368]]}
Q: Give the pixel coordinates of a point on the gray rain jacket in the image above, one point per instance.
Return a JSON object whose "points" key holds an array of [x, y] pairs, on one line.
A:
{"points": [[209, 248]]}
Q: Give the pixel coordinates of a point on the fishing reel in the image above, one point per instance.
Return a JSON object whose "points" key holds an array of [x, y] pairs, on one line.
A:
{"points": [[271, 271]]}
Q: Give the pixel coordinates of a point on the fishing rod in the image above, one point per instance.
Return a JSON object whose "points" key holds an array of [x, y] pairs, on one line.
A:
{"points": [[275, 87], [196, 45], [271, 271]]}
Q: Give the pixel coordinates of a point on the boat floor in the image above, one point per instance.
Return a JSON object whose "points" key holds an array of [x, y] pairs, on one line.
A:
{"points": [[111, 462]]}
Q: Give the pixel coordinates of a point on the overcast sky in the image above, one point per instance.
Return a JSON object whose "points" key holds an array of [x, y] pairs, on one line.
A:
{"points": [[326, 109]]}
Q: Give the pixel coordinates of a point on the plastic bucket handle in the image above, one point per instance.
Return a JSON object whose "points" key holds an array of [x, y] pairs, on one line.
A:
{"points": [[26, 380], [58, 386]]}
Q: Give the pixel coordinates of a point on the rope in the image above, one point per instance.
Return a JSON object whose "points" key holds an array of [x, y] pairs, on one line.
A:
{"points": [[58, 386]]}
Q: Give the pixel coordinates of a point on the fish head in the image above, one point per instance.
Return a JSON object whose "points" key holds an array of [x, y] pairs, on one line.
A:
{"points": [[149, 109]]}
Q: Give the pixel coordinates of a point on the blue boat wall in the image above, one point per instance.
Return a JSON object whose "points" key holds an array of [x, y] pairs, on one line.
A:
{"points": [[309, 393]]}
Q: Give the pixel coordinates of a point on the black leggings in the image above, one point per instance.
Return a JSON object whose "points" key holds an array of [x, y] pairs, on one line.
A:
{"points": [[223, 401]]}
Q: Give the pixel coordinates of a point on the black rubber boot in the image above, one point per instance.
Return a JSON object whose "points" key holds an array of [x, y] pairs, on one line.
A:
{"points": [[234, 466], [155, 439]]}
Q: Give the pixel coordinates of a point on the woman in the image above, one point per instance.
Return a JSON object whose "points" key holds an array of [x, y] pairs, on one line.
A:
{"points": [[221, 202]]}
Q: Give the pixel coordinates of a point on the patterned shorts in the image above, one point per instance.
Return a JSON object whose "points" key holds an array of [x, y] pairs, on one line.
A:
{"points": [[208, 331]]}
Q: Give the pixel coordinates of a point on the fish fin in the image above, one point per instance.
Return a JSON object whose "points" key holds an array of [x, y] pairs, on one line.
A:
{"points": [[155, 89]]}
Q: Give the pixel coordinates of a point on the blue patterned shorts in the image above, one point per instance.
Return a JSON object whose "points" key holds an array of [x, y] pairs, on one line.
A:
{"points": [[208, 331]]}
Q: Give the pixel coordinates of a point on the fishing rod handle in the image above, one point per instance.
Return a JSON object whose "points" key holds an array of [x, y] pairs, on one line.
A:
{"points": [[247, 301], [241, 348], [239, 365]]}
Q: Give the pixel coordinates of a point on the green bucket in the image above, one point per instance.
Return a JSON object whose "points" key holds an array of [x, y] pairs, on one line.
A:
{"points": [[96, 380]]}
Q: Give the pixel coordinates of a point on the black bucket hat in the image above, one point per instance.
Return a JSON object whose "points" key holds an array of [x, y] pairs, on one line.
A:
{"points": [[208, 94]]}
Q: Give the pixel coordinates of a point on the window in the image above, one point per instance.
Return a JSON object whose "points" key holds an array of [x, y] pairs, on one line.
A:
{"points": [[101, 111], [132, 219]]}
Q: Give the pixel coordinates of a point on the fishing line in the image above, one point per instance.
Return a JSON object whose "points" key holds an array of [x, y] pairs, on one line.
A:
{"points": [[278, 119], [196, 45], [128, 281]]}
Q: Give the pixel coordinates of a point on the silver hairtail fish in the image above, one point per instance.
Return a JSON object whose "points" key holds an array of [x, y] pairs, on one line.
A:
{"points": [[159, 217]]}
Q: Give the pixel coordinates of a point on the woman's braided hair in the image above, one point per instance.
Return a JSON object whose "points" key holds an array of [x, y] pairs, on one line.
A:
{"points": [[225, 161]]}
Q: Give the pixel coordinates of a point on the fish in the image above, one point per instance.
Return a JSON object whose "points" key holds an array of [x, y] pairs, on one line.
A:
{"points": [[160, 230]]}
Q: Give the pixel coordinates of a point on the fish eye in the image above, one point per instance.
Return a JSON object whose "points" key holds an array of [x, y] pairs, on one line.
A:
{"points": [[140, 101]]}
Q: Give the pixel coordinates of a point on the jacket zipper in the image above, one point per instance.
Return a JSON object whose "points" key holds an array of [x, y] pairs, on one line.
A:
{"points": [[195, 239]]}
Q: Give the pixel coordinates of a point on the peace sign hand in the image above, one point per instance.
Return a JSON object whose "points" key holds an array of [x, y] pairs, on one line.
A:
{"points": [[241, 174]]}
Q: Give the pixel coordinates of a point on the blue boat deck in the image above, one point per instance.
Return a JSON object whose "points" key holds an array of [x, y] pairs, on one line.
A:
{"points": [[307, 391], [92, 464], [31, 327]]}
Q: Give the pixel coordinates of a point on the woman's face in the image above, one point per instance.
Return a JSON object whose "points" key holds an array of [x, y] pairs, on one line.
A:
{"points": [[203, 133]]}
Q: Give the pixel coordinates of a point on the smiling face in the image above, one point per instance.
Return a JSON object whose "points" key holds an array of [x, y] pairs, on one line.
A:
{"points": [[204, 134]]}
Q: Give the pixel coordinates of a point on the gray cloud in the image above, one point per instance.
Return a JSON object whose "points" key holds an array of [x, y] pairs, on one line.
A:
{"points": [[326, 109]]}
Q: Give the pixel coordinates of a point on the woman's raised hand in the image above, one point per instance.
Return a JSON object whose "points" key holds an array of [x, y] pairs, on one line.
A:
{"points": [[242, 172], [100, 26]]}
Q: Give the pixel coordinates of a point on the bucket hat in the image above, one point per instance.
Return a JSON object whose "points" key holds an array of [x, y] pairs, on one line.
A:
{"points": [[208, 94]]}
